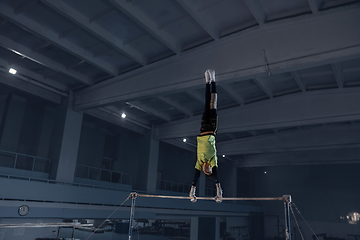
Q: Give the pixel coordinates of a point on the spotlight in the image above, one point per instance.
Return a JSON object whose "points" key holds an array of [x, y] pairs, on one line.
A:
{"points": [[12, 71], [223, 155], [265, 172], [184, 140], [123, 115]]}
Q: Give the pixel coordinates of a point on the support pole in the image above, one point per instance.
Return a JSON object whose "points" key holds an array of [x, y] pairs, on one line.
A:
{"points": [[58, 234], [287, 202], [132, 213], [73, 234]]}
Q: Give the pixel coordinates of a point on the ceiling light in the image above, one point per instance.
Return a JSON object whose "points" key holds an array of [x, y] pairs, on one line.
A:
{"points": [[12, 71], [224, 155], [123, 115], [184, 140]]}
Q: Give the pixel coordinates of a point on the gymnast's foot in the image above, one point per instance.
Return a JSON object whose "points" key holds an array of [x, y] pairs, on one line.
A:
{"points": [[219, 192], [192, 194], [210, 76]]}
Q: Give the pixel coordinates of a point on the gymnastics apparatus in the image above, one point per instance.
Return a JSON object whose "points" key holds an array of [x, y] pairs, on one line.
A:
{"points": [[286, 199]]}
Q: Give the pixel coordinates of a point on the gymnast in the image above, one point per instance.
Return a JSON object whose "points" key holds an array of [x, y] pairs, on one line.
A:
{"points": [[206, 149]]}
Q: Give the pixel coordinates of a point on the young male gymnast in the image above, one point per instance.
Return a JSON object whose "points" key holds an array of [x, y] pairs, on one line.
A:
{"points": [[206, 149]]}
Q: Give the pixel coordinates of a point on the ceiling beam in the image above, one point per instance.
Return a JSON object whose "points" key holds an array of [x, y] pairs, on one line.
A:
{"points": [[260, 83], [319, 138], [176, 105], [114, 119], [115, 110], [179, 143], [127, 118], [2, 21], [39, 30], [209, 4], [231, 136], [315, 5], [96, 30], [244, 59], [315, 107], [173, 21], [231, 93], [195, 95], [14, 58], [193, 10], [102, 14], [68, 32], [297, 78], [330, 156], [37, 77], [256, 10], [146, 23], [40, 46], [339, 76], [40, 59], [24, 84], [24, 5], [150, 110]]}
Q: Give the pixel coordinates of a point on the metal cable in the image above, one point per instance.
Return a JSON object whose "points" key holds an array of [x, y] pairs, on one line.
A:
{"points": [[108, 217], [304, 220], [302, 237]]}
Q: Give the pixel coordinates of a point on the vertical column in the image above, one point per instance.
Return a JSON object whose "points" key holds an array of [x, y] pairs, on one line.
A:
{"points": [[70, 143], [217, 228], [153, 164], [12, 120], [287, 201], [194, 228], [65, 142]]}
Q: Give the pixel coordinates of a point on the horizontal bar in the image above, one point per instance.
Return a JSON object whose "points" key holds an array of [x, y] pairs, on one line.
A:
{"points": [[212, 198], [42, 225]]}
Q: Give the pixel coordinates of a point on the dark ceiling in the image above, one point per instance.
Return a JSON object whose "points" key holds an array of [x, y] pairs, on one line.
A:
{"points": [[288, 72]]}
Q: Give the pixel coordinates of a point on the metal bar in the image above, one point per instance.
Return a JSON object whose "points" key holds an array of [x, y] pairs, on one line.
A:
{"points": [[287, 201], [132, 213], [42, 225], [212, 198]]}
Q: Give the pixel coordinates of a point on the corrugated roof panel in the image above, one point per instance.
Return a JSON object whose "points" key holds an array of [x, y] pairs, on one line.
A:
{"points": [[19, 35], [124, 29], [228, 14], [151, 47], [89, 8], [58, 55], [48, 18], [284, 8], [186, 32], [160, 11]]}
